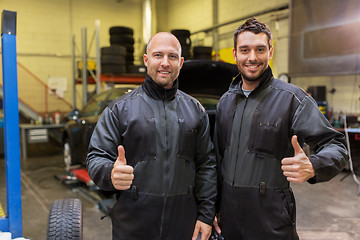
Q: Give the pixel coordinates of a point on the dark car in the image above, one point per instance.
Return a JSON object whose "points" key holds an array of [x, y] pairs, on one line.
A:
{"points": [[207, 87], [81, 124]]}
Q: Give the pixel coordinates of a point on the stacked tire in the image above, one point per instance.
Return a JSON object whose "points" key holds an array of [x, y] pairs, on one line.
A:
{"points": [[183, 36], [113, 60], [123, 37], [201, 52]]}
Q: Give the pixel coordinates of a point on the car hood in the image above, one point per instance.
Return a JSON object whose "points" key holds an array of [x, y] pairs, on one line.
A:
{"points": [[206, 77]]}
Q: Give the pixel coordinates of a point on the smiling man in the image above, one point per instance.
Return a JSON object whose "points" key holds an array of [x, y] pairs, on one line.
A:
{"points": [[260, 125], [153, 147]]}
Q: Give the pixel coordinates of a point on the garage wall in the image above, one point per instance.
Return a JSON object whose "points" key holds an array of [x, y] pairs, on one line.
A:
{"points": [[197, 15], [45, 29]]}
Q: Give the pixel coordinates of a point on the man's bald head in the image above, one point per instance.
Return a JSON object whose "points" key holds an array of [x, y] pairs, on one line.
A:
{"points": [[165, 36]]}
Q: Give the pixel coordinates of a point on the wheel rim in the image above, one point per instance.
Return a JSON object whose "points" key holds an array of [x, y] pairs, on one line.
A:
{"points": [[67, 155]]}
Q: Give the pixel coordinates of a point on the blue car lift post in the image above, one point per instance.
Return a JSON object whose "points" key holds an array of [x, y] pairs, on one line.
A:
{"points": [[13, 222]]}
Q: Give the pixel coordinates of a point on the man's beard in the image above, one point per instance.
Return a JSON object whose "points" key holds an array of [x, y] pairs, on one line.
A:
{"points": [[252, 79]]}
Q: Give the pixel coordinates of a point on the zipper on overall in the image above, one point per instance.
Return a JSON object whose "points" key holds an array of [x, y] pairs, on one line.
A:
{"points": [[165, 172]]}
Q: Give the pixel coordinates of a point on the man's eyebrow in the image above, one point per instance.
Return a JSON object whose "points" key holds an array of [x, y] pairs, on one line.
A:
{"points": [[245, 46]]}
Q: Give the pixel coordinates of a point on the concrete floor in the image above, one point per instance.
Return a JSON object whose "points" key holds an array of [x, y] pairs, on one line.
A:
{"points": [[326, 211]]}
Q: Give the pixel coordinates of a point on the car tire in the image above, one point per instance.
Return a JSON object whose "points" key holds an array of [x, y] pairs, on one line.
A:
{"points": [[67, 154], [65, 220]]}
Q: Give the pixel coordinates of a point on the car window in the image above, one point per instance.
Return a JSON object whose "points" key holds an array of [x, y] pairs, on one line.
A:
{"points": [[118, 93], [208, 101], [99, 102], [93, 107]]}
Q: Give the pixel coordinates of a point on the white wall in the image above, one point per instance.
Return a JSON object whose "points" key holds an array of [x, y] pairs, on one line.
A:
{"points": [[45, 28], [197, 15]]}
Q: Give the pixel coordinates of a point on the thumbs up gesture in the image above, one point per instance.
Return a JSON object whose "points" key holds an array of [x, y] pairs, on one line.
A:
{"points": [[297, 168], [122, 174]]}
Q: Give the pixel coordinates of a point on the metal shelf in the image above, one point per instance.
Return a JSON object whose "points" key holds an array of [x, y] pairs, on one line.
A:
{"points": [[128, 78]]}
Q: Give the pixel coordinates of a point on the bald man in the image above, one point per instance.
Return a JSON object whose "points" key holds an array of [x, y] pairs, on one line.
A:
{"points": [[153, 147]]}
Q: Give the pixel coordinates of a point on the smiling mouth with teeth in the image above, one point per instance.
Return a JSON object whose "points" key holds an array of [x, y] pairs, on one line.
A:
{"points": [[252, 66]]}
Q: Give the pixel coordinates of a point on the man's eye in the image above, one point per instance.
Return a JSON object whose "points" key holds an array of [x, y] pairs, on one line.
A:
{"points": [[173, 56], [244, 50]]}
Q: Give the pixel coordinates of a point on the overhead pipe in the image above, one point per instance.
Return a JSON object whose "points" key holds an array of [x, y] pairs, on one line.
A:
{"points": [[209, 29], [215, 30]]}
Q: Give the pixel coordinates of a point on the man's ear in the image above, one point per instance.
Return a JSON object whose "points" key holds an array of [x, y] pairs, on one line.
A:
{"points": [[271, 52], [234, 54], [145, 60], [181, 62]]}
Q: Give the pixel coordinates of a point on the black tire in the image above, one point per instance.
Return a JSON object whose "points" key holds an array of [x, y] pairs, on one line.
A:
{"points": [[114, 50], [115, 69], [65, 220], [121, 39], [111, 59], [121, 30], [184, 41], [139, 69], [186, 51], [181, 32], [129, 58], [129, 47]]}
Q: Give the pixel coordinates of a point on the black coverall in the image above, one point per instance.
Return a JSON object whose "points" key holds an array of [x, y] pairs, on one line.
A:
{"points": [[253, 134], [165, 134]]}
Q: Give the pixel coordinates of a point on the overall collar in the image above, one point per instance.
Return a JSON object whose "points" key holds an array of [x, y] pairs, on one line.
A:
{"points": [[236, 84], [157, 92]]}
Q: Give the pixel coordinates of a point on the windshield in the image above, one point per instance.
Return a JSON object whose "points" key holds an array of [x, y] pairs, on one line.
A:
{"points": [[99, 102]]}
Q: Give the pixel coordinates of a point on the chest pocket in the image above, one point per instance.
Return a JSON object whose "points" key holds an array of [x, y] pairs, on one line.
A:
{"points": [[189, 117], [187, 138], [271, 127], [267, 138]]}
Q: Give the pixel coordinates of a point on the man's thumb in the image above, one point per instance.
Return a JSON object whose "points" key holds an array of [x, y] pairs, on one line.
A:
{"points": [[296, 145], [121, 155]]}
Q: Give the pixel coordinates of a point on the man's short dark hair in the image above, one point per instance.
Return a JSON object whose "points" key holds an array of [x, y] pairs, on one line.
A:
{"points": [[254, 26]]}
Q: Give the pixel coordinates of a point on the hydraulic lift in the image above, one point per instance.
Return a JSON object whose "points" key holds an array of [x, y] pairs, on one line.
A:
{"points": [[13, 221]]}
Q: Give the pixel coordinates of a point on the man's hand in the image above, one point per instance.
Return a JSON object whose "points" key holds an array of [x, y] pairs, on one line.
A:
{"points": [[216, 226], [204, 228], [298, 168], [121, 174]]}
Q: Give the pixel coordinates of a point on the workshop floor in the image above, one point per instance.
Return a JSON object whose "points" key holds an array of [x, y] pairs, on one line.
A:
{"points": [[326, 211]]}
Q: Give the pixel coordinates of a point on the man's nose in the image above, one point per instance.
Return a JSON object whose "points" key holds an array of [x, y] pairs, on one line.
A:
{"points": [[165, 61], [252, 56]]}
